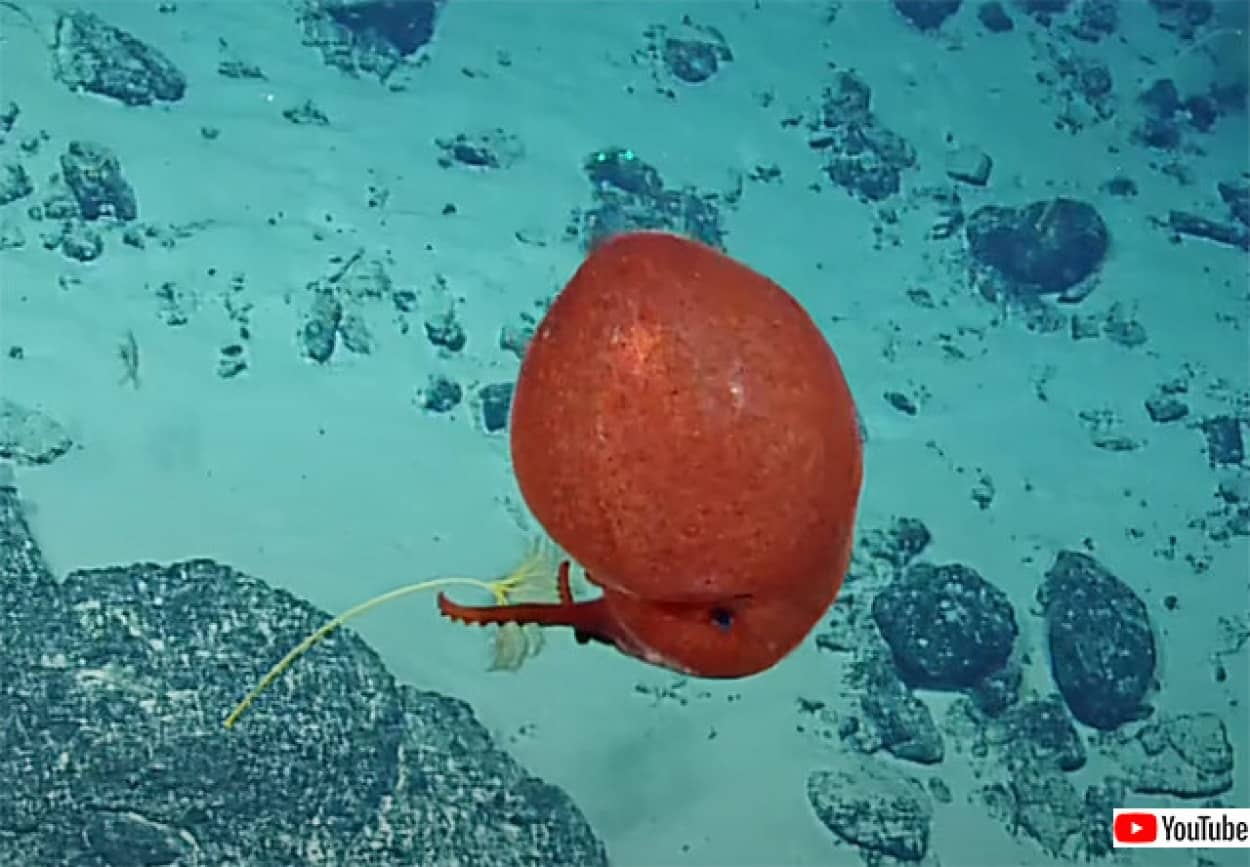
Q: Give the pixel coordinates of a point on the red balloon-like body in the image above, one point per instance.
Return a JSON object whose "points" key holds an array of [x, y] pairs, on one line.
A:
{"points": [[683, 430]]}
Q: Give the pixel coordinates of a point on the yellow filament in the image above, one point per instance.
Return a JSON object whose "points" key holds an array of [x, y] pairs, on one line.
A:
{"points": [[500, 589]]}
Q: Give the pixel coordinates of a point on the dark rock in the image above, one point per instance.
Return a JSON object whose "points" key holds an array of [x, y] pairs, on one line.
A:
{"points": [[846, 101], [900, 544], [470, 154], [172, 303], [689, 53], [873, 806], [863, 156], [80, 242], [1096, 19], [1086, 327], [1101, 802], [1111, 441], [983, 491], [31, 436], [369, 36], [630, 196], [994, 17], [623, 170], [947, 627], [405, 300], [240, 70], [231, 360], [1158, 132], [1163, 408], [14, 183], [119, 679], [870, 163], [320, 332], [488, 150], [948, 216], [306, 114], [927, 14], [1121, 186], [998, 691], [496, 401], [1161, 126], [1234, 489], [94, 177], [970, 165], [1230, 234], [1202, 112], [405, 25], [1161, 99], [1044, 9], [1224, 441], [92, 55], [1042, 731], [1045, 806], [691, 60], [900, 402], [1238, 524], [1186, 756], [1183, 16], [355, 334], [516, 338], [1047, 246], [9, 113], [685, 212], [441, 395], [901, 720], [1102, 649], [1094, 81], [1121, 328], [1236, 195], [445, 331], [58, 205]]}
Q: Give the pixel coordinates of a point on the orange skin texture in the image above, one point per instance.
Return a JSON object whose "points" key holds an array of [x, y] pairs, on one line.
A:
{"points": [[683, 430]]}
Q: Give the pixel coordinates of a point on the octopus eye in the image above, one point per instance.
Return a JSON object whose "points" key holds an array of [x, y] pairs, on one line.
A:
{"points": [[723, 618]]}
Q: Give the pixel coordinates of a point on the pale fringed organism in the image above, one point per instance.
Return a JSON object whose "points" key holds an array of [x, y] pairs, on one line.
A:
{"points": [[533, 580]]}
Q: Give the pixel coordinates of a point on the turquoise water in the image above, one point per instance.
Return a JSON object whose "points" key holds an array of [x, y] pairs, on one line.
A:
{"points": [[268, 272]]}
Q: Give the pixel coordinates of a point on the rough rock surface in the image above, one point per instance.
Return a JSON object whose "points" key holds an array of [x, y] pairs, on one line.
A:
{"points": [[1188, 756], [29, 436], [1039, 731], [864, 157], [947, 627], [630, 195], [94, 177], [870, 804], [927, 14], [1102, 648], [1047, 807], [368, 36], [902, 722], [1045, 247], [113, 686], [92, 55]]}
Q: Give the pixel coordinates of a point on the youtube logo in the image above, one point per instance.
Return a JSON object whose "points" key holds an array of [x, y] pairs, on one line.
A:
{"points": [[1182, 828], [1135, 829]]}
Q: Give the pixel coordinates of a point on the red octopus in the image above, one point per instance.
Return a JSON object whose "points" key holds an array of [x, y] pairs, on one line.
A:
{"points": [[683, 430]]}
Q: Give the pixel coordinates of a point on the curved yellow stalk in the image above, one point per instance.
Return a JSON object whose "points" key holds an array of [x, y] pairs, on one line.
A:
{"points": [[538, 564]]}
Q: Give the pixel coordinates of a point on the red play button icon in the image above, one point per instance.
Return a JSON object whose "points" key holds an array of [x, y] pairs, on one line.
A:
{"points": [[1136, 828]]}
